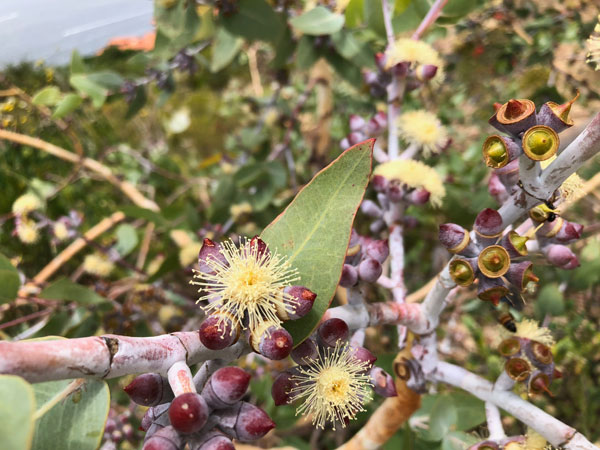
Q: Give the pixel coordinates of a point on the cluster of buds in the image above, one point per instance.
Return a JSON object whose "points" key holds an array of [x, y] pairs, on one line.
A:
{"points": [[509, 443], [119, 429], [493, 259], [528, 133], [248, 288], [332, 378], [530, 362], [208, 420], [414, 73], [364, 260], [361, 129]]}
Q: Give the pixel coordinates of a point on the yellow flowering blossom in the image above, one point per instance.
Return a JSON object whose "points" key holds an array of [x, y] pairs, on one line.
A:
{"points": [[26, 203], [98, 265], [415, 52], [423, 129], [27, 232]]}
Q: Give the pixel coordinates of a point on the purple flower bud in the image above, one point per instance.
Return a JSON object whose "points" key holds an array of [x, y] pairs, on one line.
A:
{"points": [[225, 387], [401, 69], [370, 208], [377, 124], [331, 331], [561, 231], [425, 72], [147, 420], [345, 143], [218, 331], [376, 226], [188, 412], [349, 276], [307, 350], [509, 175], [378, 249], [355, 137], [213, 441], [111, 425], [383, 383], [282, 388], [149, 389], [379, 183], [491, 289], [395, 191], [380, 60], [166, 438], [356, 122], [561, 256], [521, 275], [246, 422], [209, 250], [369, 270], [369, 77], [418, 196], [301, 302], [271, 341], [488, 225], [364, 355], [454, 237], [260, 245]]}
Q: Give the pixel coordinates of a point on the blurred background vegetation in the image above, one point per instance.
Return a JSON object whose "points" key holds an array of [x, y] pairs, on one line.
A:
{"points": [[222, 121]]}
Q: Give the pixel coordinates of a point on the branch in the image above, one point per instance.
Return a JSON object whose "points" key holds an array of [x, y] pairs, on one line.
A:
{"points": [[494, 422], [430, 18], [556, 432], [107, 356], [127, 188]]}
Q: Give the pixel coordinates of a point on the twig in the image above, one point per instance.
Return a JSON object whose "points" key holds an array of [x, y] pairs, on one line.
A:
{"points": [[26, 318], [494, 422], [145, 246], [127, 188], [254, 72], [430, 18]]}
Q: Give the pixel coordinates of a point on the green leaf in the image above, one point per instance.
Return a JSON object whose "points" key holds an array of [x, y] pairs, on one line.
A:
{"points": [[77, 64], [255, 20], [127, 239], [314, 230], [74, 423], [89, 88], [374, 17], [458, 440], [48, 96], [354, 13], [318, 21], [411, 17], [176, 26], [65, 289], [226, 46], [400, 6], [16, 412], [10, 281], [550, 301], [67, 105], [345, 68], [306, 54], [138, 102], [470, 410], [351, 49], [442, 419], [460, 8], [137, 212]]}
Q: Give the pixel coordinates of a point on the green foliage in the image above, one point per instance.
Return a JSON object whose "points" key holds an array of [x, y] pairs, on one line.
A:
{"points": [[16, 412], [303, 234], [318, 21], [9, 280]]}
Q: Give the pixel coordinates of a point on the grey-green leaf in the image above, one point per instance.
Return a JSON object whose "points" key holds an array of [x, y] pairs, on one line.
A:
{"points": [[9, 280], [49, 95], [67, 105], [314, 230], [16, 412], [225, 48], [65, 289], [318, 21], [75, 423], [127, 239]]}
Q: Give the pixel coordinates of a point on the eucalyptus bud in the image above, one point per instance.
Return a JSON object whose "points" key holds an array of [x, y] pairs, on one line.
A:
{"points": [[456, 239], [149, 389], [219, 330], [188, 412], [515, 244], [418, 196], [491, 289], [245, 422], [488, 226], [259, 246], [509, 175], [561, 256], [556, 116], [166, 438], [209, 250], [378, 249], [539, 354], [331, 331], [365, 356], [485, 445], [356, 122], [271, 341], [298, 301], [349, 276], [493, 261], [355, 137], [369, 270], [306, 351], [498, 151], [514, 117], [522, 276], [425, 72], [370, 208], [497, 189], [517, 368], [225, 387], [281, 390], [383, 383], [540, 143], [561, 231], [213, 441], [379, 183], [463, 271]]}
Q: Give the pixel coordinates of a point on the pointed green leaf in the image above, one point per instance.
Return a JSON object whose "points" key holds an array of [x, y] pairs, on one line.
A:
{"points": [[127, 239], [75, 422], [65, 289], [255, 20], [314, 230], [50, 95], [318, 21], [225, 48], [9, 280], [67, 105], [16, 412]]}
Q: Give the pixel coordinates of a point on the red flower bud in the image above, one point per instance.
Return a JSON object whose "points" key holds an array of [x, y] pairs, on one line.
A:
{"points": [[356, 122], [369, 270], [213, 441], [282, 388], [260, 245], [271, 341], [345, 143], [166, 438], [488, 225], [218, 331], [378, 249], [383, 383], [497, 189], [188, 412], [331, 331], [418, 196], [561, 256], [301, 303], [456, 239], [149, 389], [355, 137], [395, 191], [246, 422], [364, 355], [379, 183], [380, 60], [209, 250], [425, 72], [225, 387], [349, 276], [307, 350]]}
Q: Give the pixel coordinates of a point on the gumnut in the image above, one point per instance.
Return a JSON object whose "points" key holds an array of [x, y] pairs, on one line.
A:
{"points": [[188, 412], [149, 389], [218, 331], [306, 351], [298, 304], [349, 276], [166, 438], [369, 270], [331, 331], [383, 382], [281, 390], [271, 340], [226, 387], [245, 422]]}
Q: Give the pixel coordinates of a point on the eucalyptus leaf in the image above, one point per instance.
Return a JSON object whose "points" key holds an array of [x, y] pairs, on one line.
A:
{"points": [[48, 96], [67, 105], [255, 20], [225, 48], [74, 423], [9, 280], [16, 413], [127, 239], [65, 289], [314, 230], [318, 21]]}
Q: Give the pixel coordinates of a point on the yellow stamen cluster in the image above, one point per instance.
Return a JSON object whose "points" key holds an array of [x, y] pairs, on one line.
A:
{"points": [[529, 329], [593, 45], [417, 52], [60, 230], [534, 441], [27, 232], [423, 129], [248, 284], [26, 203], [414, 174], [98, 265], [333, 387]]}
